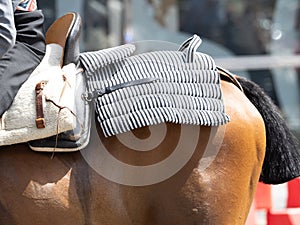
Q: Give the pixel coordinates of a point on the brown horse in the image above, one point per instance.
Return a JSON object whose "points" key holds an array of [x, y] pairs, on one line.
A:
{"points": [[38, 189], [205, 187]]}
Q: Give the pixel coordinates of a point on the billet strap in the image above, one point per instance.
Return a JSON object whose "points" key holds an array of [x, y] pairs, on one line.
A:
{"points": [[189, 47], [228, 76], [40, 120]]}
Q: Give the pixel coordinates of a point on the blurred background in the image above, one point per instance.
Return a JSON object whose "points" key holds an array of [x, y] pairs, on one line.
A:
{"points": [[258, 39]]}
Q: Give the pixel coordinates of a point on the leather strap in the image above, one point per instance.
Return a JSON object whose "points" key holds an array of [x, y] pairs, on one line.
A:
{"points": [[89, 96], [40, 120], [228, 76]]}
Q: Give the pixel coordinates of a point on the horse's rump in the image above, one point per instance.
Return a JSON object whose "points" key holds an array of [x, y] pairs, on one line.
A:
{"points": [[282, 158]]}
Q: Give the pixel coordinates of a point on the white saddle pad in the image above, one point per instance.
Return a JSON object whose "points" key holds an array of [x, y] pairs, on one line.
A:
{"points": [[18, 122]]}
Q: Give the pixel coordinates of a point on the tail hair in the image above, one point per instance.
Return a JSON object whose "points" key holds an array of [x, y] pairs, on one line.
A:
{"points": [[282, 157]]}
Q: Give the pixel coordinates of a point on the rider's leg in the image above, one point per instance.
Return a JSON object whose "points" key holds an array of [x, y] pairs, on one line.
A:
{"points": [[7, 27], [18, 63]]}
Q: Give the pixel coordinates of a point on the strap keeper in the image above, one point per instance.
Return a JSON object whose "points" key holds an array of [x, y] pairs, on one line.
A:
{"points": [[40, 123], [40, 120]]}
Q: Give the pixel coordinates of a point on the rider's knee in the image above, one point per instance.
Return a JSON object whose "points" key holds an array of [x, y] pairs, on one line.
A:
{"points": [[8, 40]]}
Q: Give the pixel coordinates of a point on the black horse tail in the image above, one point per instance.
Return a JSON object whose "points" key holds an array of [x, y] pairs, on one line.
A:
{"points": [[282, 158]]}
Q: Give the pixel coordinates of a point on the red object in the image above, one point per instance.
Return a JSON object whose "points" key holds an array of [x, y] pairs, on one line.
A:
{"points": [[284, 217], [262, 201], [262, 198], [293, 199], [290, 215], [251, 219]]}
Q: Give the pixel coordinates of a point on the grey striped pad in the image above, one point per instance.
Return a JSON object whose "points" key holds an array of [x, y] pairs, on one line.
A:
{"points": [[187, 89], [92, 61]]}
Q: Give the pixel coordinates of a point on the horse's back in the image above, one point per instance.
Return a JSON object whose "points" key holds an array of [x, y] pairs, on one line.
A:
{"points": [[36, 189]]}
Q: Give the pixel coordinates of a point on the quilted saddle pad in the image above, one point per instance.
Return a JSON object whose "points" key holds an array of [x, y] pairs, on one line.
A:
{"points": [[131, 91]]}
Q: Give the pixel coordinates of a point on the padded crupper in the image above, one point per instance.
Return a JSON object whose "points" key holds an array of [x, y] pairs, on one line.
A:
{"points": [[18, 122]]}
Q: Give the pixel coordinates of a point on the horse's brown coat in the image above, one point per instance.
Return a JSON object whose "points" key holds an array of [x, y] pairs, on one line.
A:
{"points": [[35, 189]]}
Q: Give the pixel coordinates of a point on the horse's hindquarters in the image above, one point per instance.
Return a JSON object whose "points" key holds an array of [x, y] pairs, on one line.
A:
{"points": [[36, 189], [218, 192]]}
